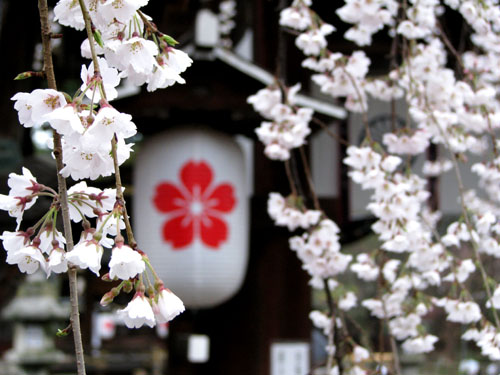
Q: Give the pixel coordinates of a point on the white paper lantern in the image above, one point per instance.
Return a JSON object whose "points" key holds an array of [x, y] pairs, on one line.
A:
{"points": [[191, 213]]}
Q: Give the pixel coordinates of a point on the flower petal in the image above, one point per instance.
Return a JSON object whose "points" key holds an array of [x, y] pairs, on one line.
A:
{"points": [[222, 198], [178, 231], [168, 198], [213, 231], [196, 176]]}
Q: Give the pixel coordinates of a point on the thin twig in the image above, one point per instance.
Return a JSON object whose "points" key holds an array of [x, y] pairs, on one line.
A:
{"points": [[338, 138], [62, 188], [290, 178], [310, 182], [119, 196], [118, 181]]}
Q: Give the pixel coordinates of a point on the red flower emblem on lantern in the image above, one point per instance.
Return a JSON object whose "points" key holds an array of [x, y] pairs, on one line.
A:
{"points": [[195, 207]]}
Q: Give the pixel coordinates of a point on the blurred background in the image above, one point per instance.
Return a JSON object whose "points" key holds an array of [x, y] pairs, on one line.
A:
{"points": [[247, 304]]}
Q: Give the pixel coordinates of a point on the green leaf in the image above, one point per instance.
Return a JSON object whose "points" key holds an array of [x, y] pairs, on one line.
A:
{"points": [[25, 75], [98, 38], [170, 41], [62, 333]]}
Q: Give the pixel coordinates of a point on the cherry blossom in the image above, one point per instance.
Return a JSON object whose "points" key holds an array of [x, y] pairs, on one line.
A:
{"points": [[86, 254], [420, 344], [33, 106], [29, 259], [109, 79], [167, 306], [125, 262], [138, 312]]}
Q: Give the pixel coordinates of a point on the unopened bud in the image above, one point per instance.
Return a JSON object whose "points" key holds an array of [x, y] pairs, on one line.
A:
{"points": [[98, 38], [106, 277], [169, 40], [127, 286], [26, 75], [107, 298], [151, 291], [119, 240], [159, 286]]}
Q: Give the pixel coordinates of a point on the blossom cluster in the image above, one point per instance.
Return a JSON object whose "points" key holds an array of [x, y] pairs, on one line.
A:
{"points": [[289, 126], [95, 140], [227, 12], [123, 35], [87, 132], [455, 111]]}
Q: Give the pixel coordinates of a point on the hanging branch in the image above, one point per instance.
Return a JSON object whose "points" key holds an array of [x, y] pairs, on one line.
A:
{"points": [[62, 188], [118, 181]]}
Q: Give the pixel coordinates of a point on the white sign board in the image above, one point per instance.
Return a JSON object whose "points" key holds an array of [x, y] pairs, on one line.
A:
{"points": [[290, 358]]}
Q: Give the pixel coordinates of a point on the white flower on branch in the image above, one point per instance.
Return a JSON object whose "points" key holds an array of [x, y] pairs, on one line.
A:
{"points": [[33, 106], [89, 160], [125, 263], [86, 254], [135, 57], [123, 11], [138, 312], [28, 259], [348, 301], [460, 312], [405, 326], [170, 65], [495, 299], [360, 354], [313, 41], [57, 262], [14, 241], [109, 79], [298, 18], [420, 344], [167, 306]]}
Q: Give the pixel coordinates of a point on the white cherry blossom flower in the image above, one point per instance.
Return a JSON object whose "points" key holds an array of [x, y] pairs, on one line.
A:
{"points": [[86, 254], [28, 259], [405, 326], [14, 241], [138, 312], [170, 65], [495, 299], [66, 120], [135, 57], [321, 321], [297, 18], [109, 80], [34, 106], [122, 10], [125, 262], [68, 13], [57, 262], [167, 306], [420, 344], [108, 122], [348, 301], [360, 354], [462, 312]]}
